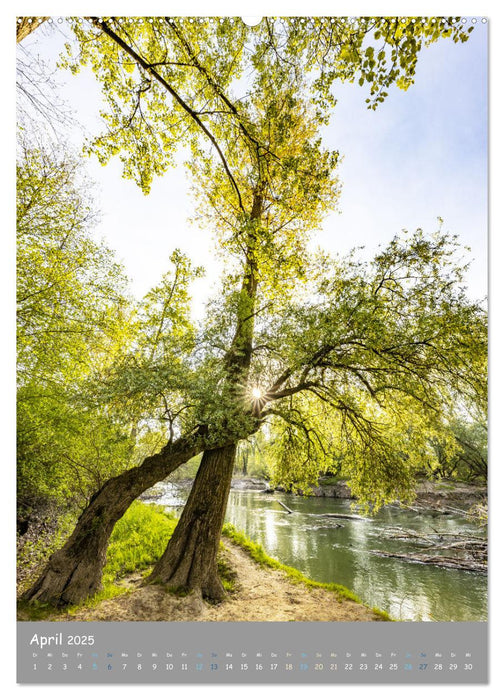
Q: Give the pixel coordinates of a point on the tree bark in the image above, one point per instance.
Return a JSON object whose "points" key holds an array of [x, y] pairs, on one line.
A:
{"points": [[190, 560], [26, 25], [75, 571]]}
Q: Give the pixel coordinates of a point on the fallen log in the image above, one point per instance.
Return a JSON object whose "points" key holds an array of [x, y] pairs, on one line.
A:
{"points": [[345, 516], [455, 537], [284, 506], [475, 549], [446, 562]]}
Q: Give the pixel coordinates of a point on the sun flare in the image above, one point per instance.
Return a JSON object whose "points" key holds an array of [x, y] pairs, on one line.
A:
{"points": [[257, 393]]}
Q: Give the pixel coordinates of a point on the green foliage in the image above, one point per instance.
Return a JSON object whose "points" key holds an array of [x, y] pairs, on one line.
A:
{"points": [[249, 104], [465, 456], [151, 378], [251, 457], [65, 452], [72, 318], [386, 352], [166, 80], [301, 444], [164, 314], [70, 291]]}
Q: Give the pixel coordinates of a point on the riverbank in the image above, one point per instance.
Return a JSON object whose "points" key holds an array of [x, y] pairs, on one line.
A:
{"points": [[260, 594], [259, 589], [438, 495], [369, 556]]}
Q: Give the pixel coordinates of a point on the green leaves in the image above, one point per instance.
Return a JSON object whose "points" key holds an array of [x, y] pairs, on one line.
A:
{"points": [[72, 319], [248, 104], [378, 360], [70, 291], [171, 83], [164, 314]]}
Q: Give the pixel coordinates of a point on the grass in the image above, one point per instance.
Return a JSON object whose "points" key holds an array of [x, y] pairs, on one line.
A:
{"points": [[139, 539], [383, 614], [34, 611], [228, 575], [256, 551]]}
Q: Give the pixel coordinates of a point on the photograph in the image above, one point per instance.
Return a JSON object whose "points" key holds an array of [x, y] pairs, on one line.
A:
{"points": [[252, 333]]}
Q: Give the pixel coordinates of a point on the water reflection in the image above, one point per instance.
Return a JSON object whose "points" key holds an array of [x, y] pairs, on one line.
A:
{"points": [[323, 551]]}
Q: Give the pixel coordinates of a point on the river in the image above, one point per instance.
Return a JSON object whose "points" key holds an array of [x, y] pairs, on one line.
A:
{"points": [[331, 550]]}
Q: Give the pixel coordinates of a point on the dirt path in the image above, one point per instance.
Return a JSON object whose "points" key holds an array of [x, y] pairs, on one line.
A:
{"points": [[262, 594]]}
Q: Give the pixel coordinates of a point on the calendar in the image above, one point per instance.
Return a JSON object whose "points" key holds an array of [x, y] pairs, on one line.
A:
{"points": [[252, 653], [252, 349]]}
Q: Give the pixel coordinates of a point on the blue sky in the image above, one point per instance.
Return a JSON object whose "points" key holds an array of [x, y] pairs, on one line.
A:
{"points": [[421, 155]]}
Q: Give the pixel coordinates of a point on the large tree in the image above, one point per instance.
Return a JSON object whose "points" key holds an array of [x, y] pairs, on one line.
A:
{"points": [[368, 359]]}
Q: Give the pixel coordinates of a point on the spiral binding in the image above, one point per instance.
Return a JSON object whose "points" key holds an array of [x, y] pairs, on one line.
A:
{"points": [[59, 20]]}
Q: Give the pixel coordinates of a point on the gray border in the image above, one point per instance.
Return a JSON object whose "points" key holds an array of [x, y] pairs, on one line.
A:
{"points": [[252, 652]]}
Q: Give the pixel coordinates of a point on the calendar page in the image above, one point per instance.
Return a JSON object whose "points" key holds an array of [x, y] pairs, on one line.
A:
{"points": [[252, 349]]}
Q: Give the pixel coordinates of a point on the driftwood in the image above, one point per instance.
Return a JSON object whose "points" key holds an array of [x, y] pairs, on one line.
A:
{"points": [[456, 550], [446, 562], [284, 506], [404, 534], [328, 515], [434, 508], [344, 516]]}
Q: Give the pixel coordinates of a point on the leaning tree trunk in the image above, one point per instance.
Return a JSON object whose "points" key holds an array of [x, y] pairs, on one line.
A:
{"points": [[75, 571], [190, 559]]}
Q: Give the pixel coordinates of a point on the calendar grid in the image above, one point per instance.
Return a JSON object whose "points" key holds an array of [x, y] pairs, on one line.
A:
{"points": [[252, 652]]}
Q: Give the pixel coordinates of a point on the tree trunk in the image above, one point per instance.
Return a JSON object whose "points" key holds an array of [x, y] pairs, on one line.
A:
{"points": [[75, 571], [190, 559], [26, 25]]}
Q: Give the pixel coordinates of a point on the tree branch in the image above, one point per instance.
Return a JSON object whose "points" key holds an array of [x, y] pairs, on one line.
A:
{"points": [[151, 71]]}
